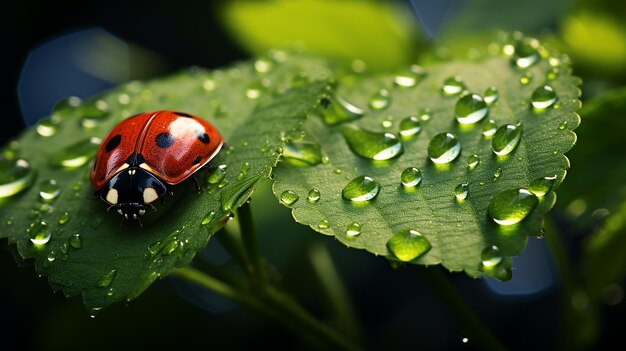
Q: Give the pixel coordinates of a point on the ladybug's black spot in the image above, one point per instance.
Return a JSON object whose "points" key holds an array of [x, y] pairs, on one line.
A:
{"points": [[182, 114], [204, 137], [196, 160], [164, 140], [113, 143]]}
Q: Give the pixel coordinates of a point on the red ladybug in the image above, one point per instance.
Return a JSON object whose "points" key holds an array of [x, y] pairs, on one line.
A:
{"points": [[145, 153]]}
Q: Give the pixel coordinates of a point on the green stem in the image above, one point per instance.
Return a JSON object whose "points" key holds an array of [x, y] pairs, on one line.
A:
{"points": [[248, 236], [232, 244], [479, 333], [276, 305]]}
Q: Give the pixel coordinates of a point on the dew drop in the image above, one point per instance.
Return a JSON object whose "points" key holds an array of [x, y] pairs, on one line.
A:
{"points": [[512, 206], [243, 171], [444, 148], [526, 52], [302, 153], [470, 109], [489, 128], [208, 218], [93, 312], [170, 247], [263, 64], [410, 126], [123, 99], [323, 224], [75, 241], [110, 292], [491, 95], [543, 97], [209, 84], [289, 197], [15, 176], [497, 173], [353, 229], [154, 248], [408, 244], [506, 139], [49, 190], [217, 175], [75, 155], [491, 256], [542, 186], [526, 78], [313, 196], [411, 177], [425, 115], [341, 110], [387, 122], [64, 248], [94, 114], [563, 125], [254, 90], [39, 233], [472, 162], [46, 128], [410, 78], [107, 278], [372, 145], [453, 86], [461, 191], [359, 189], [380, 100], [64, 218]]}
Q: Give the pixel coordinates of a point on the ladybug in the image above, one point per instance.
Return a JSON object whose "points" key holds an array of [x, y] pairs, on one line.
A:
{"points": [[146, 153]]}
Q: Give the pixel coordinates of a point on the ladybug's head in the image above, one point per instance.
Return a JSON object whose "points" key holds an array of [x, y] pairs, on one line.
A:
{"points": [[131, 190]]}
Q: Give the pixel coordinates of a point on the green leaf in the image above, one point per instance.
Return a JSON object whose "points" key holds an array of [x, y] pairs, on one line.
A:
{"points": [[434, 202], [85, 250], [379, 33]]}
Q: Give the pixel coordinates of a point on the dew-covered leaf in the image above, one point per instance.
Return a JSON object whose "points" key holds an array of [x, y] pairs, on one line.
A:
{"points": [[84, 250], [420, 161]]}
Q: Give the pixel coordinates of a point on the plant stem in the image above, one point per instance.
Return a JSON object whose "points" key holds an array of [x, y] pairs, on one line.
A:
{"points": [[276, 305], [232, 244], [248, 238], [442, 288]]}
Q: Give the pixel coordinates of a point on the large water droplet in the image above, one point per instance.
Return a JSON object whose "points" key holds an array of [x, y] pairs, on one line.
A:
{"points": [[470, 109], [408, 245], [353, 229], [341, 110], [15, 176], [410, 126], [512, 206], [359, 189], [75, 241], [491, 95], [46, 128], [49, 190], [372, 145], [491, 256], [453, 86], [411, 177], [444, 148], [506, 139], [289, 197], [107, 278], [411, 77], [313, 196], [75, 155], [543, 97], [526, 52], [39, 233], [380, 100], [461, 191], [542, 185], [302, 153]]}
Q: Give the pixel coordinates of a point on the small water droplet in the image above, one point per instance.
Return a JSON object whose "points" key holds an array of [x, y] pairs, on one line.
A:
{"points": [[209, 84], [123, 99], [411, 177], [39, 233], [243, 171], [526, 52], [411, 77], [107, 278], [512, 206], [64, 248], [453, 86], [110, 292], [380, 100], [51, 256], [289, 197], [491, 256], [526, 78], [461, 191], [15, 176], [263, 64], [372, 145], [64, 218], [93, 312], [491, 95], [497, 173], [425, 115], [563, 125], [543, 97], [353, 229], [387, 122], [302, 153], [542, 186], [359, 189], [341, 110], [313, 196], [94, 114], [49, 190], [254, 90], [408, 244], [217, 175], [75, 155], [472, 162], [46, 128], [323, 224], [208, 218], [506, 139], [75, 241], [170, 246], [410, 126], [444, 148], [154, 248], [489, 128], [470, 109]]}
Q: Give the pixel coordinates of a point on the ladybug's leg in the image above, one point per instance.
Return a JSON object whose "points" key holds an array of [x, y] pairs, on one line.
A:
{"points": [[198, 187], [153, 207]]}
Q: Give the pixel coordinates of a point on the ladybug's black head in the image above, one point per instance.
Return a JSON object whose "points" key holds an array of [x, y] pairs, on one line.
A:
{"points": [[131, 190]]}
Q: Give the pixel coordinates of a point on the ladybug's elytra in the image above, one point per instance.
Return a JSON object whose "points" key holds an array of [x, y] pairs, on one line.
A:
{"points": [[145, 153]]}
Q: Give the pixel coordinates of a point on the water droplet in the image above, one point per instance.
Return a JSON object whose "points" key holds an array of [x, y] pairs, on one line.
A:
{"points": [[263, 64], [541, 186], [39, 233], [209, 84], [254, 90], [563, 125], [387, 122], [512, 206], [289, 197], [170, 247], [46, 128], [93, 312], [411, 177], [410, 126], [110, 292], [341, 110], [543, 97], [506, 138], [63, 248], [313, 196], [15, 176], [302, 153], [243, 171], [94, 114], [380, 100], [75, 155], [411, 77], [154, 248], [353, 229], [69, 103], [107, 279], [75, 241], [372, 145], [526, 78], [526, 52], [408, 244], [217, 175], [453, 86], [323, 224], [208, 218], [497, 173], [64, 218], [425, 115], [359, 189], [51, 256], [491, 256], [240, 191], [489, 128], [472, 162], [123, 99], [491, 95], [461, 191], [444, 148], [470, 109], [49, 190]]}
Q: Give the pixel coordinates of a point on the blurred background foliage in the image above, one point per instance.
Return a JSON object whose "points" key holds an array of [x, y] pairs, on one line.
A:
{"points": [[573, 279]]}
